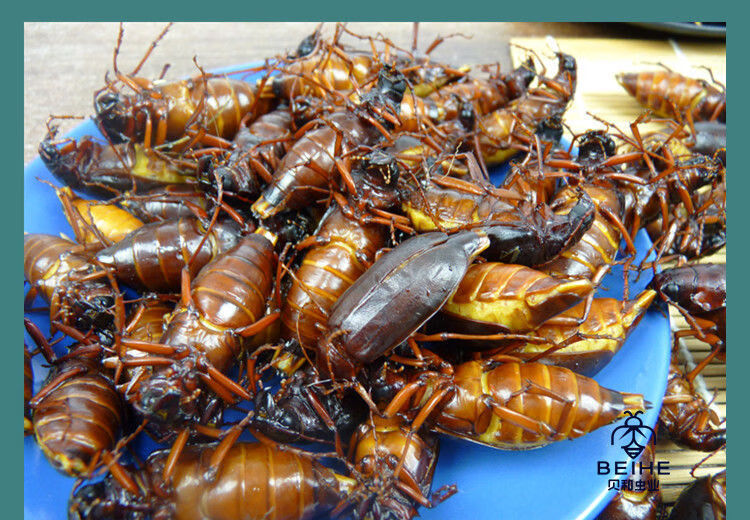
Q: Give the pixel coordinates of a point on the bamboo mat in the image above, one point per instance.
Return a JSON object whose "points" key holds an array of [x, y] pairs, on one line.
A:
{"points": [[599, 93]]}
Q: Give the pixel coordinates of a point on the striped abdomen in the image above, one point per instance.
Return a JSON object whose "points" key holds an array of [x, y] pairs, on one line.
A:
{"points": [[598, 246], [254, 482], [152, 257], [606, 328], [346, 250], [552, 402], [78, 419], [495, 297], [664, 92], [309, 169]]}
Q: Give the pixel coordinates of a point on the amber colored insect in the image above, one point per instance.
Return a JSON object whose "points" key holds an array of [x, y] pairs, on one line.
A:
{"points": [[95, 224], [687, 417], [704, 499], [312, 165], [105, 171], [380, 447], [341, 250], [158, 113], [673, 95], [252, 481], [77, 415], [598, 246], [256, 154], [499, 133], [225, 303], [495, 297], [637, 504], [587, 348], [512, 406], [153, 256], [58, 271]]}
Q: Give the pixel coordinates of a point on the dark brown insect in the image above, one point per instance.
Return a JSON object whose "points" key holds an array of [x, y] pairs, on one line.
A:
{"points": [[256, 153], [169, 203], [104, 170], [342, 249], [641, 503], [315, 162], [699, 292], [302, 411], [252, 481], [687, 418], [598, 246], [704, 499], [512, 406], [57, 270], [500, 136], [153, 256], [519, 233], [411, 281], [78, 414], [673, 95]]}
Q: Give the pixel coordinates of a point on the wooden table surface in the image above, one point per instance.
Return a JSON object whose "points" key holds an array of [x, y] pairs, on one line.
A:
{"points": [[65, 63]]}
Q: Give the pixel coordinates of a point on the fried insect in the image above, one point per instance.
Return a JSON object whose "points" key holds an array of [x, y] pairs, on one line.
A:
{"points": [[513, 406], [598, 246], [494, 298], [704, 499], [387, 449], [77, 415], [256, 153], [313, 165], [104, 170], [96, 225], [673, 95], [686, 417], [500, 135], [341, 251], [518, 233], [411, 281], [153, 256], [169, 203], [252, 481], [206, 333], [57, 270], [301, 411], [588, 347]]}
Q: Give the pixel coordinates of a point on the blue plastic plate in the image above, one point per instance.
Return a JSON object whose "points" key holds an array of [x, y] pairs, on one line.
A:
{"points": [[558, 481]]}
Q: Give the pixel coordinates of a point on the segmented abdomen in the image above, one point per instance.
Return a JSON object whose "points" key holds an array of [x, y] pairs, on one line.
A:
{"points": [[327, 270], [152, 257], [78, 419], [554, 401], [254, 482]]}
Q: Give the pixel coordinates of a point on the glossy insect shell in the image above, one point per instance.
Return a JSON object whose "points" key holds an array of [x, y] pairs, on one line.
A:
{"points": [[78, 419], [327, 270], [419, 274]]}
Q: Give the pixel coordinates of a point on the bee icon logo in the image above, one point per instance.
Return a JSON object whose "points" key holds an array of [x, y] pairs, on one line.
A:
{"points": [[634, 427]]}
